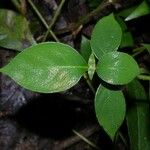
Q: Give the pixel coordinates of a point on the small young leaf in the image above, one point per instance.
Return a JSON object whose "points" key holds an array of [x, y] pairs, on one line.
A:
{"points": [[15, 29], [47, 67], [110, 109], [85, 49], [138, 116], [117, 68], [147, 46], [92, 67], [106, 36], [141, 10]]}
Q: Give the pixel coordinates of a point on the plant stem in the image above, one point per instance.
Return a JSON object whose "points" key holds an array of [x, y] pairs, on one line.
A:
{"points": [[144, 77], [57, 13], [86, 77], [16, 4], [42, 20], [123, 139], [85, 139], [137, 51]]}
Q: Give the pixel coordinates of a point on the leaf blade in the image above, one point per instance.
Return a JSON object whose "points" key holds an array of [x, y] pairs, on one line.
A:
{"points": [[138, 117], [47, 67], [117, 68], [16, 29], [141, 10], [110, 109], [106, 36]]}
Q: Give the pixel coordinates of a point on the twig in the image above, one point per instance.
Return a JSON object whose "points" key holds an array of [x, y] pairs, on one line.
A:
{"points": [[20, 6], [75, 139], [144, 77], [84, 20], [57, 13], [85, 139], [42, 20]]}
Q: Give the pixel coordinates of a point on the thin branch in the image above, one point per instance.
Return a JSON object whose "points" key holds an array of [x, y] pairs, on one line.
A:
{"points": [[75, 139], [42, 20], [57, 13], [85, 139], [84, 20]]}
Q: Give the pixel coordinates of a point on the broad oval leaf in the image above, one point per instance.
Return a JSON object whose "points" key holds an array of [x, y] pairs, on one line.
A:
{"points": [[47, 67], [106, 36], [117, 68], [110, 109]]}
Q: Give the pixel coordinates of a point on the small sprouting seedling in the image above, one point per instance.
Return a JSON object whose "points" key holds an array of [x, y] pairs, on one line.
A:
{"points": [[53, 67]]}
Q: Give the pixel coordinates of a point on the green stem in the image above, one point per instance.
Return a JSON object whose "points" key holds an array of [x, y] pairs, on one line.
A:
{"points": [[137, 51], [86, 77], [144, 77], [57, 13], [42, 20], [85, 139]]}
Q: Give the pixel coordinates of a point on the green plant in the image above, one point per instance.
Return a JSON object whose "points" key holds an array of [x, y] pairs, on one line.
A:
{"points": [[51, 67]]}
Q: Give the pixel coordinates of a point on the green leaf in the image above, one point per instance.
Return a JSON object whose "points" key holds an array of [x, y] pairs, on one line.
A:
{"points": [[141, 10], [92, 66], [110, 109], [126, 12], [127, 40], [47, 67], [147, 46], [138, 116], [16, 30], [106, 36], [2, 36], [117, 68], [85, 49], [136, 91]]}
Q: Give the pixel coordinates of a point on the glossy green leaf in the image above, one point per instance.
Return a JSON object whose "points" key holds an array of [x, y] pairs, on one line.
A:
{"points": [[147, 46], [16, 30], [106, 36], [138, 116], [85, 49], [141, 10], [47, 67], [117, 68], [110, 109], [92, 66]]}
